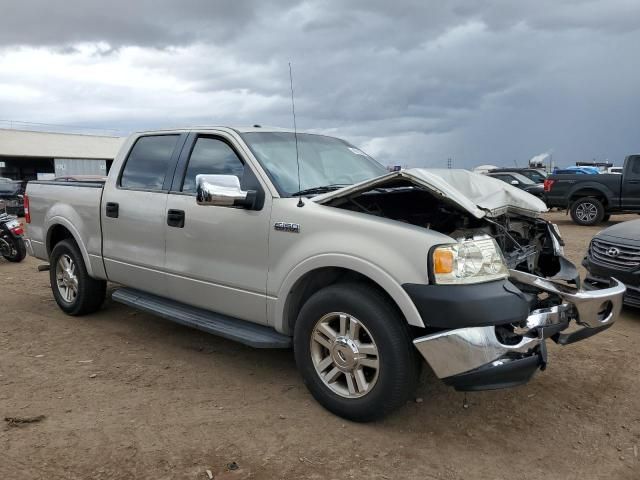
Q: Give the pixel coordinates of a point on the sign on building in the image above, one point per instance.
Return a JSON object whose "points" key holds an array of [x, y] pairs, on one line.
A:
{"points": [[79, 166]]}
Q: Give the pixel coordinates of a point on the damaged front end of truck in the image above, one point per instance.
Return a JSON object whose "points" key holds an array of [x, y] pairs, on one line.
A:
{"points": [[486, 333]]}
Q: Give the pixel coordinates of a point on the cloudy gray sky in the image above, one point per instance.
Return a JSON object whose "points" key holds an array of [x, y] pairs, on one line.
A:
{"points": [[412, 82]]}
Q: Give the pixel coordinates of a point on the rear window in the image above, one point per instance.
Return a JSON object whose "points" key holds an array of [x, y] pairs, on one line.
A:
{"points": [[148, 162]]}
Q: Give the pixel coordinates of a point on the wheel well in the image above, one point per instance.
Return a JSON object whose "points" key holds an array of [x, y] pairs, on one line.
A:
{"points": [[317, 279], [56, 234], [589, 192]]}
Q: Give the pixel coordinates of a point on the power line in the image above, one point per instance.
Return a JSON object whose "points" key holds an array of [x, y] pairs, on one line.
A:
{"points": [[11, 124]]}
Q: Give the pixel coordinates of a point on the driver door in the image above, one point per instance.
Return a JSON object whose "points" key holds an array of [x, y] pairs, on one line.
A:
{"points": [[216, 257]]}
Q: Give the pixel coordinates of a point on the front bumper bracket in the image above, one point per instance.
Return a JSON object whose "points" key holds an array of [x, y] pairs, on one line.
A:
{"points": [[478, 358]]}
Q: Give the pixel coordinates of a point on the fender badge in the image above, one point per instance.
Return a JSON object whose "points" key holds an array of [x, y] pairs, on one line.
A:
{"points": [[287, 227]]}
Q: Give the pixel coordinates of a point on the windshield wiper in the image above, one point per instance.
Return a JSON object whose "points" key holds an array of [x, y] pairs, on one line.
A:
{"points": [[321, 189]]}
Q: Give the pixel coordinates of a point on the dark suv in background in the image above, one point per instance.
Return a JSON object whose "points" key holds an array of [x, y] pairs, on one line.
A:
{"points": [[12, 197], [533, 174], [520, 181]]}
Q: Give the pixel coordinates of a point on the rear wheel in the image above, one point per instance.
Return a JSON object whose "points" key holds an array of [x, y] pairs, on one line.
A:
{"points": [[75, 292], [354, 352], [14, 249], [606, 217], [587, 211]]}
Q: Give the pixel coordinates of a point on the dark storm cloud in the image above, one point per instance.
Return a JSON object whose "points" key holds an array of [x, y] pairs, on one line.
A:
{"points": [[404, 24], [121, 22], [483, 81]]}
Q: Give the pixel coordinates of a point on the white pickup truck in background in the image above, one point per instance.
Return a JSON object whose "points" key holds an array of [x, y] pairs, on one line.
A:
{"points": [[362, 271]]}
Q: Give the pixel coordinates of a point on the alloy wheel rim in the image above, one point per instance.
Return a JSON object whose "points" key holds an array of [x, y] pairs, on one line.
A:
{"points": [[586, 212], [66, 278], [345, 355]]}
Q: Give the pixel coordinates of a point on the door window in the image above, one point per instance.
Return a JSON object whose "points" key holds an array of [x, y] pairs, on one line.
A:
{"points": [[211, 156], [635, 166], [148, 162]]}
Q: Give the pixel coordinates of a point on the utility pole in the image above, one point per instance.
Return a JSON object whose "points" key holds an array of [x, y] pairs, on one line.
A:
{"points": [[449, 163]]}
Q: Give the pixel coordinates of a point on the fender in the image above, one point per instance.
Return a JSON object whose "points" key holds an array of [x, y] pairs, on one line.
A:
{"points": [[599, 187], [276, 308], [51, 222]]}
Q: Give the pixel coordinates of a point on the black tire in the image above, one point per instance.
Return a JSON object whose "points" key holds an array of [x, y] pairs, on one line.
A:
{"points": [[606, 217], [90, 292], [399, 364], [587, 211], [18, 250]]}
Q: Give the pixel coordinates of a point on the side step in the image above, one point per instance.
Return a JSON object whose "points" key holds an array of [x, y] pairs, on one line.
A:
{"points": [[248, 333]]}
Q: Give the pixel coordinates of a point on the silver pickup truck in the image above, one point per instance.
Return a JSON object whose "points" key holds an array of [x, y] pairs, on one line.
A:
{"points": [[280, 240]]}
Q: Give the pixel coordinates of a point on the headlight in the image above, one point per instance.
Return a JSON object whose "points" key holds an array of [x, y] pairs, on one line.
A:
{"points": [[468, 261]]}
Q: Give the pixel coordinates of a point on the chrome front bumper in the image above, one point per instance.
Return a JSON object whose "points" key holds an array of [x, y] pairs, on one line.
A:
{"points": [[592, 308], [478, 356]]}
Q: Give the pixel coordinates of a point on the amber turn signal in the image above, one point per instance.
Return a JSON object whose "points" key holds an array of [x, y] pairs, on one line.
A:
{"points": [[443, 261]]}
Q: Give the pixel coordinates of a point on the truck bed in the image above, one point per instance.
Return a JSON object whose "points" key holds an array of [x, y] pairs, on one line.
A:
{"points": [[76, 205], [567, 187]]}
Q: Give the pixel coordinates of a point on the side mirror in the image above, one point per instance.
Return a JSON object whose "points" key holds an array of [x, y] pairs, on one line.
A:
{"points": [[223, 191], [515, 183]]}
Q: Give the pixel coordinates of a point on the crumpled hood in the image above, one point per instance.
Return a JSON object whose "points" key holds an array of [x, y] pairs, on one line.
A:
{"points": [[478, 194]]}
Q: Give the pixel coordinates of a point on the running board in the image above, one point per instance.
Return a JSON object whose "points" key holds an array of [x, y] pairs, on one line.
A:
{"points": [[248, 333]]}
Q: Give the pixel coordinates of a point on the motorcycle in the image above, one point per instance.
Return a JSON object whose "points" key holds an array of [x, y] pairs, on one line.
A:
{"points": [[12, 246]]}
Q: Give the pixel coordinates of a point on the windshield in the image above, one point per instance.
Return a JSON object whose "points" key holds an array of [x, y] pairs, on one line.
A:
{"points": [[323, 160]]}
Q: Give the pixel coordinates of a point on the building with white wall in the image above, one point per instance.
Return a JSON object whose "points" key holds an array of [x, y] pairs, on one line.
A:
{"points": [[29, 155]]}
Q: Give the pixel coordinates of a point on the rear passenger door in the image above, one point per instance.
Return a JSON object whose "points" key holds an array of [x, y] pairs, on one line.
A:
{"points": [[216, 257], [134, 213]]}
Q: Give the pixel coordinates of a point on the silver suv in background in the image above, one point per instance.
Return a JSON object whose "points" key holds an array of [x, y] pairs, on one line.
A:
{"points": [[12, 197]]}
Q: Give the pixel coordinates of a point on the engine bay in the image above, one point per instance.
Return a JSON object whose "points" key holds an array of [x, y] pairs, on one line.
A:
{"points": [[528, 243]]}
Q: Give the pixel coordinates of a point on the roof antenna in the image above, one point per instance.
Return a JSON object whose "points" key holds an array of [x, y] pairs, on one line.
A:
{"points": [[295, 134]]}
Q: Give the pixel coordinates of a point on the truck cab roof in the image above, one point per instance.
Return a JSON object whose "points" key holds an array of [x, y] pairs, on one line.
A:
{"points": [[226, 128]]}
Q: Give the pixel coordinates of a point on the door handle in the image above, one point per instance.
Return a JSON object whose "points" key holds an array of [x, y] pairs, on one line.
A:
{"points": [[175, 218], [633, 181], [112, 209]]}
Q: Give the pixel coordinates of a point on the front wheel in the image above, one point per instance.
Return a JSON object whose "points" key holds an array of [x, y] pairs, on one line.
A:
{"points": [[354, 352], [14, 248], [75, 292], [587, 211]]}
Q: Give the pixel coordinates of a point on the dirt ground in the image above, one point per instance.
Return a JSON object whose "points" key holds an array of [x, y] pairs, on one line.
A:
{"points": [[126, 395]]}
